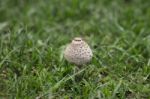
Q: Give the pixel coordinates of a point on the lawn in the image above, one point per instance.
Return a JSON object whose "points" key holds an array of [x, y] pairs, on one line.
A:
{"points": [[34, 34]]}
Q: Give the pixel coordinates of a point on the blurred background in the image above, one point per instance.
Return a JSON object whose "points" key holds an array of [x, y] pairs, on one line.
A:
{"points": [[75, 18]]}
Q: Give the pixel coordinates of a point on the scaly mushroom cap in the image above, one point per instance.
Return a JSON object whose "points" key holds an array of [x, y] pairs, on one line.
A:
{"points": [[78, 52]]}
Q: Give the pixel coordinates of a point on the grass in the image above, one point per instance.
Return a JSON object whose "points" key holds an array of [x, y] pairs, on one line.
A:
{"points": [[34, 33]]}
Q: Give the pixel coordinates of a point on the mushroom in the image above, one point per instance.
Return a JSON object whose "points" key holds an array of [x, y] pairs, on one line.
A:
{"points": [[78, 52]]}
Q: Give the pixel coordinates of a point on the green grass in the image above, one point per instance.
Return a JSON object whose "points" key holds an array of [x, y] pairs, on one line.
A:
{"points": [[33, 34]]}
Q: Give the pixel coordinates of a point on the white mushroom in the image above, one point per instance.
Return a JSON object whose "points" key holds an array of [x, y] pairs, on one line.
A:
{"points": [[78, 52]]}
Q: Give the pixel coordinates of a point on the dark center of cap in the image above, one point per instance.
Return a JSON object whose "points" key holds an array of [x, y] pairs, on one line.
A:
{"points": [[77, 39]]}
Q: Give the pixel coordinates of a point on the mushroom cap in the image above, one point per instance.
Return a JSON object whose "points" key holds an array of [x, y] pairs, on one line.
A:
{"points": [[78, 52]]}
